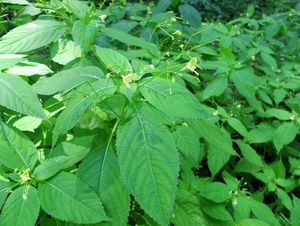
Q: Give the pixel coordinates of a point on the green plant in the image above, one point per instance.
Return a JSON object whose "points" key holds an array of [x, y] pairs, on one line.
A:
{"points": [[127, 114]]}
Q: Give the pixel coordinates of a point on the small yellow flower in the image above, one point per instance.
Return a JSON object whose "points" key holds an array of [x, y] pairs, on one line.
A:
{"points": [[103, 17], [177, 32], [191, 65], [129, 78], [25, 175]]}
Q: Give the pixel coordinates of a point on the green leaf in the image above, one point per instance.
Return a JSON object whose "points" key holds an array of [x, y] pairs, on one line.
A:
{"points": [[100, 170], [285, 199], [216, 159], [171, 98], [187, 211], [113, 60], [215, 88], [284, 135], [17, 95], [130, 40], [78, 8], [215, 210], [16, 150], [149, 163], [84, 34], [190, 15], [67, 80], [213, 135], [30, 69], [251, 222], [64, 51], [73, 151], [238, 126], [188, 143], [21, 208], [250, 154], [279, 114], [295, 220], [27, 123], [18, 2], [67, 198], [268, 59], [216, 192], [70, 117], [8, 60], [4, 190], [31, 36]]}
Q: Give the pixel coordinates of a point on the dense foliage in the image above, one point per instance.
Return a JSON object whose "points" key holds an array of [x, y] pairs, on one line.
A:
{"points": [[139, 114]]}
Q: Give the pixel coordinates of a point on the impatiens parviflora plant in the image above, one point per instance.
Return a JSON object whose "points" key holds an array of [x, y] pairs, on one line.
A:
{"points": [[131, 115]]}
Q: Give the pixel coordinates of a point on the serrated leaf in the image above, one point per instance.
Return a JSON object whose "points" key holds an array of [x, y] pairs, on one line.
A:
{"points": [[101, 171], [187, 211], [72, 152], [21, 208], [17, 95], [84, 34], [70, 117], [31, 36], [215, 88], [67, 80], [171, 98], [67, 198], [187, 143], [16, 150], [250, 154], [113, 60], [212, 134], [149, 164], [284, 135]]}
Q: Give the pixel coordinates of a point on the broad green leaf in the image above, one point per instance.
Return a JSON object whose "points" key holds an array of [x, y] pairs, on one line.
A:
{"points": [[268, 59], [250, 154], [70, 117], [241, 208], [187, 211], [30, 69], [4, 191], [129, 39], [187, 143], [31, 36], [64, 51], [295, 220], [16, 150], [264, 133], [67, 80], [100, 170], [215, 210], [171, 98], [215, 88], [190, 15], [216, 159], [216, 192], [284, 135], [27, 123], [213, 135], [72, 152], [17, 2], [261, 211], [149, 164], [21, 208], [67, 198], [84, 34], [238, 126], [78, 8], [113, 60], [279, 95], [251, 222], [17, 95], [279, 114], [8, 60]]}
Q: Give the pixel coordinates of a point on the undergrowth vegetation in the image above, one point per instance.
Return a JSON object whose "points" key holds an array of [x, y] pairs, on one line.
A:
{"points": [[131, 113]]}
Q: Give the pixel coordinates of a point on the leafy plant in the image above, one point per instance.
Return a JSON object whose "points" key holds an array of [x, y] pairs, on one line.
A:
{"points": [[130, 114]]}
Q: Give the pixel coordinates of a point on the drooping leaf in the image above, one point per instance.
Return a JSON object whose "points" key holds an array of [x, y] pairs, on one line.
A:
{"points": [[101, 171], [17, 95], [21, 208], [16, 150], [149, 163], [67, 198], [31, 36], [64, 81], [171, 98], [250, 154]]}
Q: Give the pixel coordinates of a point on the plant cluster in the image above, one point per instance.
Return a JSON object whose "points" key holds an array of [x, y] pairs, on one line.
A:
{"points": [[132, 114]]}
